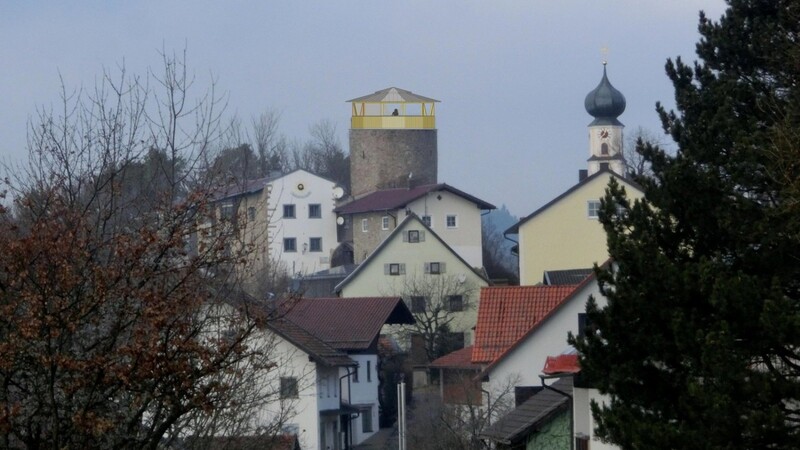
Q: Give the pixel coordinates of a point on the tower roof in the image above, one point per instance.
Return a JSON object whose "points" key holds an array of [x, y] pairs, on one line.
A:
{"points": [[605, 103], [394, 95]]}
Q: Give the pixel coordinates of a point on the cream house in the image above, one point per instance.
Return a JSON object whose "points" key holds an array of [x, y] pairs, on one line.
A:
{"points": [[414, 262]]}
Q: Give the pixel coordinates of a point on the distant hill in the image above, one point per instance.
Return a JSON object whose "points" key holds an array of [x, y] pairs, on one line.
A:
{"points": [[501, 218], [494, 224]]}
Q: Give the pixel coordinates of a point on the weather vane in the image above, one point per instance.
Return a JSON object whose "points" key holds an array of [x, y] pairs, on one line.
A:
{"points": [[604, 54]]}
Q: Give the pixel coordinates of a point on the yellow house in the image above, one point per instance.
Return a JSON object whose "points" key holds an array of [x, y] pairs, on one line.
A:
{"points": [[565, 233]]}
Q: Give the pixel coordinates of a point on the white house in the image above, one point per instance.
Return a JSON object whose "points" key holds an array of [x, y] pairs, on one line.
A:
{"points": [[288, 218], [547, 337], [334, 348]]}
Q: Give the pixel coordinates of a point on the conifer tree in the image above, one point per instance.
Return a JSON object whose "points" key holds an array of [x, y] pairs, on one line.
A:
{"points": [[699, 344]]}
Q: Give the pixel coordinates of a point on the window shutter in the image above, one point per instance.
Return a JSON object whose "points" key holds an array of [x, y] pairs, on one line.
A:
{"points": [[402, 269], [386, 269], [442, 267], [427, 267], [405, 236], [422, 236]]}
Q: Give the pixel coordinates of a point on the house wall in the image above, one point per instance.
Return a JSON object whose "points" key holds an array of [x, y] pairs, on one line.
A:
{"points": [[584, 422], [315, 190], [373, 281], [563, 236], [304, 409], [364, 394], [525, 362], [466, 238], [554, 435], [365, 242]]}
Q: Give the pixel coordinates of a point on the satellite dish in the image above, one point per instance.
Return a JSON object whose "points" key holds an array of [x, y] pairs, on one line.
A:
{"points": [[340, 220], [338, 192]]}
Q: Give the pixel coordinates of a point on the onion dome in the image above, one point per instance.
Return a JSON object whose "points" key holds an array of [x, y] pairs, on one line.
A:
{"points": [[605, 103]]}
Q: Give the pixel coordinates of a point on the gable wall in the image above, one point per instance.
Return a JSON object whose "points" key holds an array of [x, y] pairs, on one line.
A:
{"points": [[563, 236], [315, 190]]}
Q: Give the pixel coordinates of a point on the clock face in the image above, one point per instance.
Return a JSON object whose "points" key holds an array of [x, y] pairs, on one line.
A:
{"points": [[603, 134]]}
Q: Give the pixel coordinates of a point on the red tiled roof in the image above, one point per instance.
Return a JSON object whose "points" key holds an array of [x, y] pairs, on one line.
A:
{"points": [[459, 359], [388, 199], [567, 363], [506, 313], [348, 323]]}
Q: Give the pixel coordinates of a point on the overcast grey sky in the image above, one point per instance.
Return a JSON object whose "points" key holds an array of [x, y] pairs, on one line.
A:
{"points": [[511, 75]]}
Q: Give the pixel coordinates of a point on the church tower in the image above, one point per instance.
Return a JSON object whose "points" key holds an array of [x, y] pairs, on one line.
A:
{"points": [[393, 142], [605, 104]]}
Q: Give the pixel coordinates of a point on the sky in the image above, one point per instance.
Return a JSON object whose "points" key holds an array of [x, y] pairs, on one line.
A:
{"points": [[511, 75]]}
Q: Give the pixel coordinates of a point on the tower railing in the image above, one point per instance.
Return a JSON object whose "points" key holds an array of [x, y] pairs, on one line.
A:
{"points": [[393, 122]]}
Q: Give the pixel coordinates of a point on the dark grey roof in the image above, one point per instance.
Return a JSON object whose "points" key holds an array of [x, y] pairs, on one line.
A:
{"points": [[605, 103], [318, 350], [394, 95], [531, 415], [569, 276]]}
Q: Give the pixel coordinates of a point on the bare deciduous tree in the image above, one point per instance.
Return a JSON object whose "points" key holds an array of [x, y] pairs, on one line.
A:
{"points": [[114, 331], [438, 301]]}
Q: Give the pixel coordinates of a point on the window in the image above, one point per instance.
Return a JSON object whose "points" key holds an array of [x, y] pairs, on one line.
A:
{"points": [[603, 166], [369, 371], [455, 302], [288, 212], [366, 420], [289, 387], [385, 223], [593, 208], [427, 221], [226, 211], [452, 221], [289, 244], [314, 211], [355, 374], [394, 269], [417, 304], [414, 236], [364, 225], [603, 148], [315, 244], [434, 268], [251, 213]]}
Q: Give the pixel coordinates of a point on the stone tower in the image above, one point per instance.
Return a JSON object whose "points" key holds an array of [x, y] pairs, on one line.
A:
{"points": [[605, 104], [393, 141]]}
